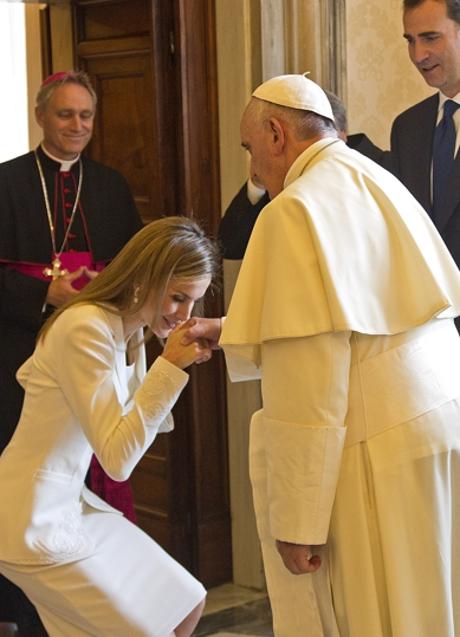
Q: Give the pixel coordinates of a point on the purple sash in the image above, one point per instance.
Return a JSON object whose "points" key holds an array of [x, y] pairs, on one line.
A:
{"points": [[71, 261]]}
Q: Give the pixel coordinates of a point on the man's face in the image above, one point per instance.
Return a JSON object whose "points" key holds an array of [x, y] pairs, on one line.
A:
{"points": [[434, 45], [257, 139], [67, 121]]}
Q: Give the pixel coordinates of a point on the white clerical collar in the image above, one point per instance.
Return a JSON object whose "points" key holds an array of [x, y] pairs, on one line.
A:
{"points": [[66, 165], [299, 164]]}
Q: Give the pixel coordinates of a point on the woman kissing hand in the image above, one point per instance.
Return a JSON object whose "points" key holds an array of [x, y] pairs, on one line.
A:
{"points": [[184, 354]]}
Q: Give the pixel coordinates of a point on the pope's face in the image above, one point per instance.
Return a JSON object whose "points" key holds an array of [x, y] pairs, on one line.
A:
{"points": [[257, 139], [434, 45], [67, 121]]}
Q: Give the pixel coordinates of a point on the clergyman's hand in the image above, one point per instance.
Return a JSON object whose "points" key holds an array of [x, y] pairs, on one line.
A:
{"points": [[60, 290], [91, 274], [298, 558]]}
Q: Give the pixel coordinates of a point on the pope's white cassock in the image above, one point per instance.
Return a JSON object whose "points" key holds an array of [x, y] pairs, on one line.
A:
{"points": [[344, 307]]}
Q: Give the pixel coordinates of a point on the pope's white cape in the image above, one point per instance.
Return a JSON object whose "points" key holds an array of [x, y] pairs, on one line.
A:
{"points": [[318, 259]]}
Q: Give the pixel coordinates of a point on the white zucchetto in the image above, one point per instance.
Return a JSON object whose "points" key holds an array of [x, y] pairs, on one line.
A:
{"points": [[295, 91]]}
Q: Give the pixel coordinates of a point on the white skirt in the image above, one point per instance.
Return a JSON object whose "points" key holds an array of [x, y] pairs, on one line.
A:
{"points": [[129, 587]]}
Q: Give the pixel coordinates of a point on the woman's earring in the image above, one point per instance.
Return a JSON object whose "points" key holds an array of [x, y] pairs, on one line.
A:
{"points": [[136, 295]]}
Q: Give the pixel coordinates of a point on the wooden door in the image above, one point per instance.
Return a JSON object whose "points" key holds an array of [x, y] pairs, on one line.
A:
{"points": [[153, 65]]}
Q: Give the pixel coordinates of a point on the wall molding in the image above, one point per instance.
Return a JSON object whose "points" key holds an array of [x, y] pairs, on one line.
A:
{"points": [[334, 46], [296, 39]]}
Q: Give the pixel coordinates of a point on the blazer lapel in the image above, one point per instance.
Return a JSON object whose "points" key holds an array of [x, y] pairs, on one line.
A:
{"points": [[119, 375], [139, 355]]}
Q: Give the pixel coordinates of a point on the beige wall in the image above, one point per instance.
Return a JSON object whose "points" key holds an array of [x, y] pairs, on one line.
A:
{"points": [[34, 67], [239, 71], [381, 80], [61, 50], [235, 85], [61, 37]]}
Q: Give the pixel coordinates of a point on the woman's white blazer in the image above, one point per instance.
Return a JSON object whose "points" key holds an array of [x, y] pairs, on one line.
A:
{"points": [[81, 397]]}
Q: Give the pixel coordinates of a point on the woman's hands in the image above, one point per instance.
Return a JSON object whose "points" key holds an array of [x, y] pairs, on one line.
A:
{"points": [[193, 341], [183, 352]]}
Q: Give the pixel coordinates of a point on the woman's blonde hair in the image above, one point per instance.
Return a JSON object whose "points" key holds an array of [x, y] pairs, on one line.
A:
{"points": [[166, 249]]}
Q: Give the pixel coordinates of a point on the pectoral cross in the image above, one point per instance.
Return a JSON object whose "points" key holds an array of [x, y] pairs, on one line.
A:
{"points": [[55, 272]]}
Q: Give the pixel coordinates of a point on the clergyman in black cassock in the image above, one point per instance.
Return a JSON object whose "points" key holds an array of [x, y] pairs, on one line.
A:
{"points": [[50, 203]]}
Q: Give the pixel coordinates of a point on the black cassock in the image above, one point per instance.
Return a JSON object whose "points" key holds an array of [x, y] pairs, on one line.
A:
{"points": [[104, 221], [237, 223]]}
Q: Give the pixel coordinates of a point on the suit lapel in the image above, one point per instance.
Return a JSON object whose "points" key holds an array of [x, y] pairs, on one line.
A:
{"points": [[422, 152], [452, 194], [119, 376]]}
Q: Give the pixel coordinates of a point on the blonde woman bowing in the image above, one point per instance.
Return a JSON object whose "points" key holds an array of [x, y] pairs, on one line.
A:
{"points": [[87, 569]]}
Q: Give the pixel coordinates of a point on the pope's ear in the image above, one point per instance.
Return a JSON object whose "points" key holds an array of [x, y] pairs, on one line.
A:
{"points": [[278, 134]]}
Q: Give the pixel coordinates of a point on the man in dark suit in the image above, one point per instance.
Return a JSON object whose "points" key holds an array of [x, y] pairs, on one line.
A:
{"points": [[432, 31], [357, 141]]}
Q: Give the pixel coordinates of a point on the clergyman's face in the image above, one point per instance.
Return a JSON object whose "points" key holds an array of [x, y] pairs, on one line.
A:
{"points": [[67, 121], [257, 139], [434, 45]]}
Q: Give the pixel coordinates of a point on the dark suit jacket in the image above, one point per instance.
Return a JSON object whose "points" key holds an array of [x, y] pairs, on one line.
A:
{"points": [[362, 143], [411, 149]]}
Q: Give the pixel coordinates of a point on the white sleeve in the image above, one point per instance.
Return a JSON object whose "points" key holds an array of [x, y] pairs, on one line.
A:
{"points": [[85, 368], [305, 399], [243, 362]]}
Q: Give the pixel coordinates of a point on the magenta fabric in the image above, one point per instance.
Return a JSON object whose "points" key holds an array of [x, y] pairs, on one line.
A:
{"points": [[71, 261], [117, 494], [59, 76]]}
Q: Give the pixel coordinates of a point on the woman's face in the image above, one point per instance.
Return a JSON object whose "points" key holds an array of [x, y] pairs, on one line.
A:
{"points": [[177, 305]]}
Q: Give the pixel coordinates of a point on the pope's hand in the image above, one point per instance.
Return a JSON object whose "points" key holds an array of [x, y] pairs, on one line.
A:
{"points": [[298, 558], [204, 329]]}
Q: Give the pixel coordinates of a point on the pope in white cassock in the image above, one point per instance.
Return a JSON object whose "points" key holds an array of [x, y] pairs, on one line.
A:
{"points": [[344, 309]]}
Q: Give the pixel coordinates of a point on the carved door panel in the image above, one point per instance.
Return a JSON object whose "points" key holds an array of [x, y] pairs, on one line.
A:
{"points": [[153, 65]]}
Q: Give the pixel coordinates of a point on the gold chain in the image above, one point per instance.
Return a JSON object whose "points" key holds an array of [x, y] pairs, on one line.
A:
{"points": [[56, 271]]}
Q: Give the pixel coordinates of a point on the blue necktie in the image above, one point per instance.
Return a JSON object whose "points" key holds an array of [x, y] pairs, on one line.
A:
{"points": [[443, 156]]}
